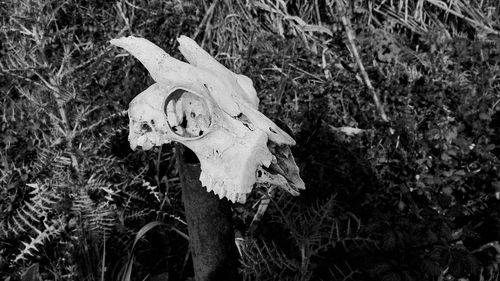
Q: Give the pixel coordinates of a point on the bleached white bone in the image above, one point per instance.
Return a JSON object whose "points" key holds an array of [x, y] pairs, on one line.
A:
{"points": [[213, 111]]}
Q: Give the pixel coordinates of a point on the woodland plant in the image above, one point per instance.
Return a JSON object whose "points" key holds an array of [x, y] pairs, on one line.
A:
{"points": [[414, 198]]}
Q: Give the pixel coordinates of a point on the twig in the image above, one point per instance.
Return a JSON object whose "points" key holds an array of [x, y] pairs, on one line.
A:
{"points": [[458, 14], [124, 17], [87, 62], [495, 245], [206, 21], [56, 92], [264, 203], [102, 121], [354, 51], [103, 265]]}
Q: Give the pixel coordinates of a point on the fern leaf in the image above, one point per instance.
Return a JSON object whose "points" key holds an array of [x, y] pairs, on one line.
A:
{"points": [[36, 242], [24, 218], [28, 217], [36, 211], [18, 225]]}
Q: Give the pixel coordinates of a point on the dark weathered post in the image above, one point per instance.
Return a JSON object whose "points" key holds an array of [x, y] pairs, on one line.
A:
{"points": [[211, 235]]}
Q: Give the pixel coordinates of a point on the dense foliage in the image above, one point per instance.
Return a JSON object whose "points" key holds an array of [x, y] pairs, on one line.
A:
{"points": [[413, 198]]}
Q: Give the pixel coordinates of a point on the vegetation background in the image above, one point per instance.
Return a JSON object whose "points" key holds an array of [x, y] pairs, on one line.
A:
{"points": [[413, 198]]}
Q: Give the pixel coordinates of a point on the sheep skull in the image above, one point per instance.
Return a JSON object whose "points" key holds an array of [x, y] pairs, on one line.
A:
{"points": [[212, 111]]}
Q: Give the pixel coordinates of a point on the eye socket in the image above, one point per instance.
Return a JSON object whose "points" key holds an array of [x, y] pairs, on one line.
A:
{"points": [[187, 114]]}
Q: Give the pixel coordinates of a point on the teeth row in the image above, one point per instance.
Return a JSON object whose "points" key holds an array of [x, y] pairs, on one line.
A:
{"points": [[221, 190]]}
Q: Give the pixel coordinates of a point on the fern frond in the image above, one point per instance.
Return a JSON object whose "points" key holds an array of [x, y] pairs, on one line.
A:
{"points": [[344, 273], [82, 204], [265, 261], [27, 219], [103, 220], [45, 158], [322, 226], [98, 218], [134, 196], [17, 225], [49, 231]]}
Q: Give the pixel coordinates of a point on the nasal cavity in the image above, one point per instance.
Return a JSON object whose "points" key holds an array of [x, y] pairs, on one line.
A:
{"points": [[146, 128]]}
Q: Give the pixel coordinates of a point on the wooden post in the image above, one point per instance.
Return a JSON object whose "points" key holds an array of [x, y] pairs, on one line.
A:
{"points": [[211, 234]]}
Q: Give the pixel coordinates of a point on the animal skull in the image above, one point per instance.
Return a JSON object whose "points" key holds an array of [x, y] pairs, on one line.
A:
{"points": [[212, 111]]}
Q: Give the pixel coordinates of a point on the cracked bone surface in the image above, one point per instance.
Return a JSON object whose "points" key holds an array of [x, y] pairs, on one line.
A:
{"points": [[213, 112]]}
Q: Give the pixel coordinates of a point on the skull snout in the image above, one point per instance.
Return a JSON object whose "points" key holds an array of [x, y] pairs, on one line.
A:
{"points": [[143, 131], [143, 134]]}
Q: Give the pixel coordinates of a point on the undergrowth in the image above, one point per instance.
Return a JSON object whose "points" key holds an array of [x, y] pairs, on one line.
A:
{"points": [[414, 198]]}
